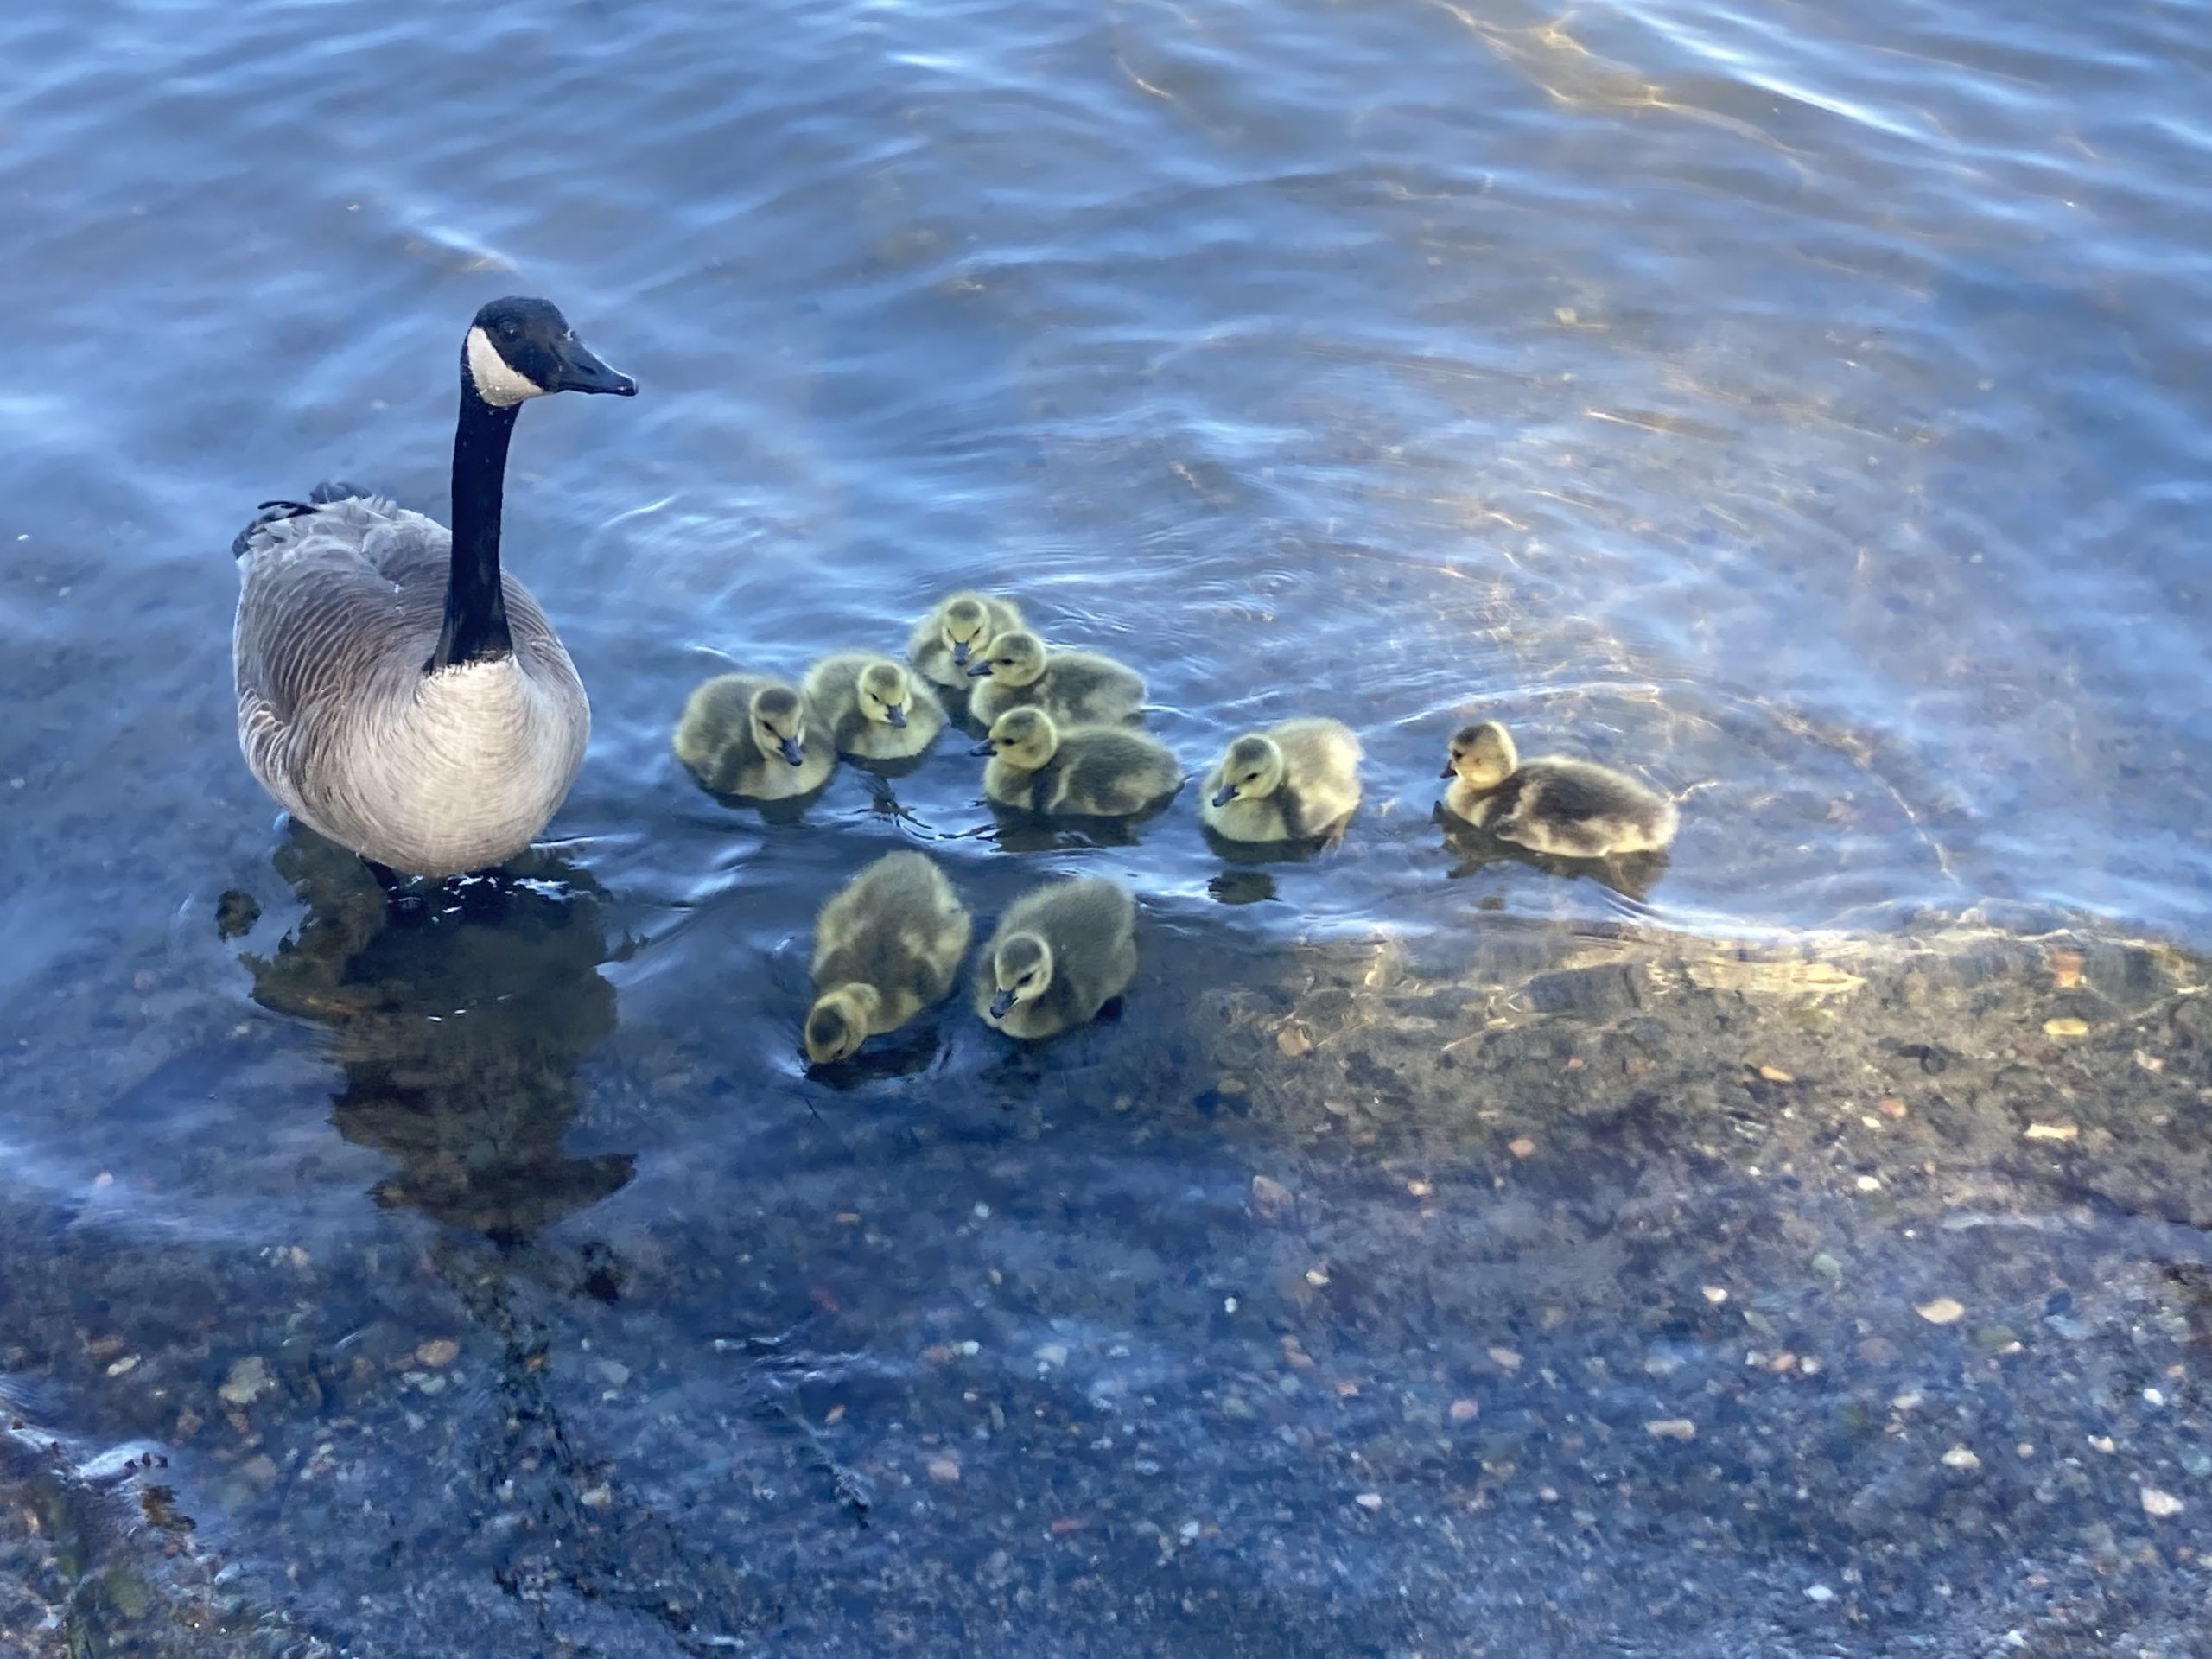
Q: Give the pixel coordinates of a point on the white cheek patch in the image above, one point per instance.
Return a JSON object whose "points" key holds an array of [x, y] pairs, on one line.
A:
{"points": [[496, 382]]}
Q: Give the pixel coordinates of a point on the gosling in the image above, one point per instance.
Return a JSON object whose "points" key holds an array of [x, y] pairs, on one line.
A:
{"points": [[1554, 805], [1295, 781], [1062, 952], [871, 706], [962, 625], [886, 946], [747, 735], [1076, 687], [1090, 772]]}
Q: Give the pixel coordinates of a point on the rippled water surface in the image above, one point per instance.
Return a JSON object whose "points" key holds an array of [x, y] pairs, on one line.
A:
{"points": [[1802, 407]]}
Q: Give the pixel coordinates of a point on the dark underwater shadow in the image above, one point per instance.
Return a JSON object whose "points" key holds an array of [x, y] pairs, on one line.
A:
{"points": [[1632, 875], [459, 1036]]}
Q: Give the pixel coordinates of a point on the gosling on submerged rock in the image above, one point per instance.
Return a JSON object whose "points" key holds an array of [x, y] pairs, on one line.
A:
{"points": [[1298, 780], [1094, 771], [1059, 954], [887, 946], [1554, 803], [752, 735], [962, 625], [871, 706], [1076, 687]]}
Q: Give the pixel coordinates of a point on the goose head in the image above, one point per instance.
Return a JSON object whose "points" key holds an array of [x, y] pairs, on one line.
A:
{"points": [[1023, 738], [1482, 755], [520, 349], [1015, 658], [884, 693], [779, 722], [963, 622], [837, 1023], [1251, 770], [1021, 968]]}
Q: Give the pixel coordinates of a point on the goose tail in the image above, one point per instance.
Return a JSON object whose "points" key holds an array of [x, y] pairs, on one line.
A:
{"points": [[324, 494]]}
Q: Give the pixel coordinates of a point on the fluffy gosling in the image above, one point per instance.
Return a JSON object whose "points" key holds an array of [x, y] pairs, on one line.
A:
{"points": [[1077, 688], [1295, 781], [747, 735], [871, 706], [962, 625], [1555, 804], [886, 946], [1061, 952], [1093, 772]]}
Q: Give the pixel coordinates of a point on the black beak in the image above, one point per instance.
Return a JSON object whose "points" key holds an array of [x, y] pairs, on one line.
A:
{"points": [[985, 747], [960, 653], [579, 370], [1450, 771], [790, 751], [1001, 1003], [976, 670], [895, 713], [1224, 795]]}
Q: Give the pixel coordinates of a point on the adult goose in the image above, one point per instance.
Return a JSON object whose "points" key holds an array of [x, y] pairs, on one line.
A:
{"points": [[396, 691]]}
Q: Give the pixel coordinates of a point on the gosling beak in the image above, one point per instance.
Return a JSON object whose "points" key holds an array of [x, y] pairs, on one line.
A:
{"points": [[960, 653], [984, 747], [1001, 1003], [976, 670], [790, 751], [1450, 771], [896, 713], [578, 370], [1224, 795]]}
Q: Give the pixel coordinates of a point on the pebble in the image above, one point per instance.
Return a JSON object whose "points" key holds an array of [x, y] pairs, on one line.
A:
{"points": [[1369, 1500], [1944, 1310], [128, 1362], [1868, 1184], [597, 1498], [2054, 1131], [945, 1471], [1890, 1106], [1819, 1592], [1461, 1410], [1522, 1147], [2160, 1505], [439, 1351], [1505, 1358], [248, 1381], [1293, 1041], [1671, 1428], [1775, 1074], [1961, 1457], [1317, 1277], [1272, 1201], [2066, 1025]]}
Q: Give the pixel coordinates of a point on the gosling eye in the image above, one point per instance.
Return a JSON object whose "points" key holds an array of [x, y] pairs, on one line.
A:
{"points": [[1251, 776]]}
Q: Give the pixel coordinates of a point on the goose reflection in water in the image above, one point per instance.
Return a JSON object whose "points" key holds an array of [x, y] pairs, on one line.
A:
{"points": [[459, 1036]]}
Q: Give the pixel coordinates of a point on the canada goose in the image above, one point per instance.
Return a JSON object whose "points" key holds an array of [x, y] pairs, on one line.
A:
{"points": [[1295, 781], [1074, 687], [1061, 952], [961, 625], [885, 948], [1099, 771], [747, 735], [871, 706], [1569, 808], [396, 691]]}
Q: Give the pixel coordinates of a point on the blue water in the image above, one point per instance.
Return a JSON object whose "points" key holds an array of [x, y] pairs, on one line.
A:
{"points": [[1802, 408]]}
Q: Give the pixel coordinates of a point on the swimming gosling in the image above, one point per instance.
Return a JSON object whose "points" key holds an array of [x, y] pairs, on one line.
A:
{"points": [[1061, 952], [871, 706], [1555, 804], [1295, 781], [747, 735], [886, 946], [962, 623], [1077, 688], [1093, 772]]}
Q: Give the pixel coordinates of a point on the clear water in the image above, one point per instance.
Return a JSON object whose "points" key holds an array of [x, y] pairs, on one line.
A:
{"points": [[1804, 408]]}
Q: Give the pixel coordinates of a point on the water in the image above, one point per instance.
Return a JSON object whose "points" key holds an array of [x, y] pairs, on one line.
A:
{"points": [[1801, 410]]}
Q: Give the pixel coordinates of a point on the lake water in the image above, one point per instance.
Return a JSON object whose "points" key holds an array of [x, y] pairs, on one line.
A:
{"points": [[1804, 409]]}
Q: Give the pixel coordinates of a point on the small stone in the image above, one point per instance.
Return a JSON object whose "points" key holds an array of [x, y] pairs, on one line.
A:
{"points": [[1317, 1277], [2160, 1506], [1522, 1147], [1293, 1041], [2066, 1025], [614, 1372], [598, 1498], [260, 1469], [1867, 1184], [1775, 1074], [248, 1381], [2054, 1131], [1369, 1500], [945, 1471], [127, 1364], [1671, 1428], [1819, 1592], [1890, 1106], [1714, 1295], [2103, 1443], [1053, 1353], [1419, 1189], [1961, 1457], [1272, 1201], [2149, 1062], [1462, 1410], [2065, 969], [106, 1178], [832, 1417], [1944, 1310], [1505, 1358]]}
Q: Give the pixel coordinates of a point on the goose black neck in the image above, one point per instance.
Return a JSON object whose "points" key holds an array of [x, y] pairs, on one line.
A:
{"points": [[476, 606]]}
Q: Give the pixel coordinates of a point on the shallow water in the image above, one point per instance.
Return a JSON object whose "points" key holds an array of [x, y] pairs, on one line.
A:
{"points": [[1803, 409]]}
